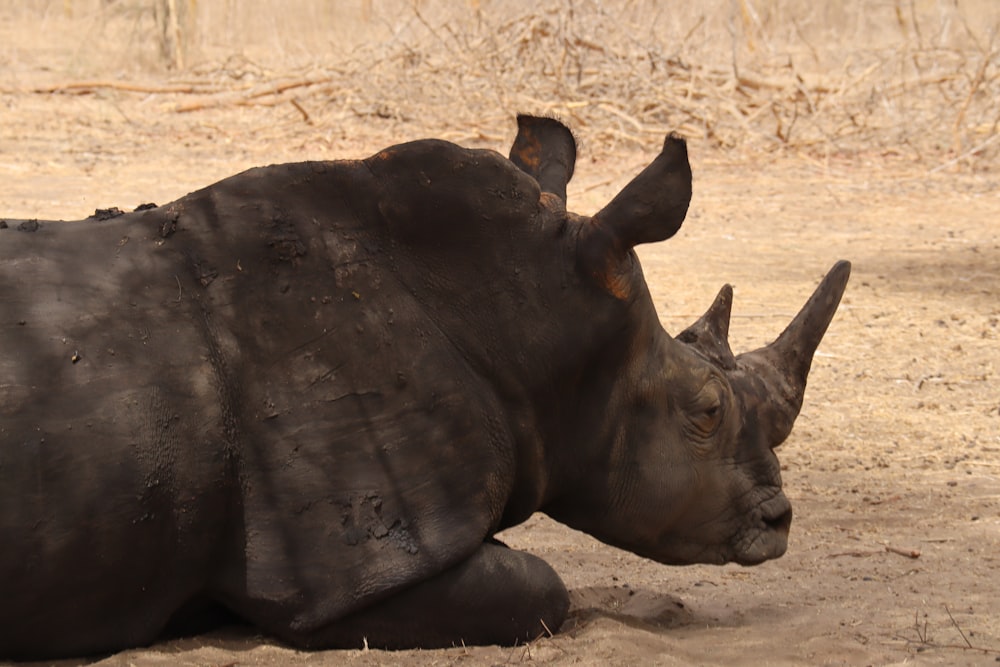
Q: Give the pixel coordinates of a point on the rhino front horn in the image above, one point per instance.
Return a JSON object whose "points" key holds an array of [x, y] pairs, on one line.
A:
{"points": [[783, 366]]}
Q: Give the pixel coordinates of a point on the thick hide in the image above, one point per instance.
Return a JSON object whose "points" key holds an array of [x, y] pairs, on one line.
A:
{"points": [[311, 393]]}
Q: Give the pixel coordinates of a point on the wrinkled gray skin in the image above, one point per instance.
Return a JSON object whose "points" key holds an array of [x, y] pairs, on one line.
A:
{"points": [[310, 395]]}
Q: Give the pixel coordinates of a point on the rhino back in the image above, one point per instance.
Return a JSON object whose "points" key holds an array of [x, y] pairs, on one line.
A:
{"points": [[309, 401], [107, 419], [372, 456]]}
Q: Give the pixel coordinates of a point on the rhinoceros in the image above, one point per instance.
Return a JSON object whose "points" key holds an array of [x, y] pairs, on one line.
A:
{"points": [[311, 394]]}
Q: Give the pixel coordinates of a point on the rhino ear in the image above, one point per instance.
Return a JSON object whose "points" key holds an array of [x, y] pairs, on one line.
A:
{"points": [[654, 204], [545, 149], [650, 208]]}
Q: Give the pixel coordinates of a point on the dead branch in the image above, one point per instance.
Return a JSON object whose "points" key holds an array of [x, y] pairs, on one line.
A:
{"points": [[863, 553], [909, 553], [969, 153], [856, 553], [957, 627], [243, 98], [977, 81], [87, 87], [301, 110], [923, 637], [543, 61]]}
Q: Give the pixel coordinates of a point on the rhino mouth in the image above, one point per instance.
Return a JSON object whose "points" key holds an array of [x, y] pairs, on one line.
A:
{"points": [[776, 513], [769, 537]]}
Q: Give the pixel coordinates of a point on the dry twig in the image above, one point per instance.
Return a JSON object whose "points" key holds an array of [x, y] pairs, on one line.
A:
{"points": [[610, 68], [86, 87]]}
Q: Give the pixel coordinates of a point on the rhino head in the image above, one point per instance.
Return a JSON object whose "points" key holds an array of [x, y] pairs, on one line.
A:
{"points": [[672, 456]]}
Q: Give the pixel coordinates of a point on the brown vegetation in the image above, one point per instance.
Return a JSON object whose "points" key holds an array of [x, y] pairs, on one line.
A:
{"points": [[818, 131]]}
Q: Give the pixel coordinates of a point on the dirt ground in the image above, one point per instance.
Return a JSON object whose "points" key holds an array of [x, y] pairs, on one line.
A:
{"points": [[893, 467]]}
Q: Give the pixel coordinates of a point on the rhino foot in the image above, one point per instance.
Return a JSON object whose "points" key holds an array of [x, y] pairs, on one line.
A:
{"points": [[496, 596]]}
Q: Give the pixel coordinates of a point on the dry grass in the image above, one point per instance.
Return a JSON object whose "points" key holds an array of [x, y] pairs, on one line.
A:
{"points": [[898, 445], [759, 75]]}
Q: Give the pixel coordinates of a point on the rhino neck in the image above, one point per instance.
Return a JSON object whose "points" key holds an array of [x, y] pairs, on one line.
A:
{"points": [[555, 396], [577, 377], [606, 413], [573, 416], [543, 339]]}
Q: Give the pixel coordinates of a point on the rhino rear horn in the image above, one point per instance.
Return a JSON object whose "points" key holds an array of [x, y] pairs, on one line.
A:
{"points": [[710, 334], [545, 149]]}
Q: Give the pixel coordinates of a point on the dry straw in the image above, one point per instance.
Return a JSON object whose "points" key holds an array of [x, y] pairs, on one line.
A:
{"points": [[762, 76]]}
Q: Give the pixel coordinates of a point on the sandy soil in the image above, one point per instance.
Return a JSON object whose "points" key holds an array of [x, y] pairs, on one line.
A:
{"points": [[894, 465]]}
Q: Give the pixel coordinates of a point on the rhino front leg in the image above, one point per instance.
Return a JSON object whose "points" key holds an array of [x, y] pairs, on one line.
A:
{"points": [[497, 596]]}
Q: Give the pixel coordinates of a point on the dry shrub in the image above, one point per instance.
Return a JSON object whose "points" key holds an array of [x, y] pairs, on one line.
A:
{"points": [[915, 78], [732, 75]]}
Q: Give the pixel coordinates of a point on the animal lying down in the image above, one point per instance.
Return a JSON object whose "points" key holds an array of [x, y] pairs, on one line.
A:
{"points": [[310, 394]]}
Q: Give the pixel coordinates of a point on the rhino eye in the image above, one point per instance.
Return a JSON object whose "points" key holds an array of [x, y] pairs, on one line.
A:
{"points": [[707, 420], [706, 413]]}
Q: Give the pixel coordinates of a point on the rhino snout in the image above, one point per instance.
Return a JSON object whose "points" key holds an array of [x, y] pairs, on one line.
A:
{"points": [[776, 513], [768, 538]]}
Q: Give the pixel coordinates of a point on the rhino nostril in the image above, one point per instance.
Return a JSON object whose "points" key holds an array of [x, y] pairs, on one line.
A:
{"points": [[781, 522], [776, 513]]}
